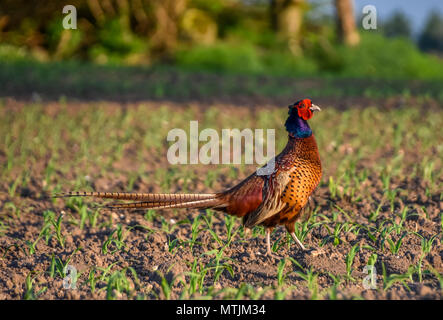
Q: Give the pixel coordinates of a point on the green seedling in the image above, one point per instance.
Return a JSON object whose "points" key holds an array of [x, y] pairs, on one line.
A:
{"points": [[195, 231], [30, 294], [116, 238], [426, 247], [92, 279], [213, 233], [333, 187], [394, 246], [14, 209], [281, 276], [372, 259], [350, 260], [32, 245], [49, 172], [390, 280], [281, 293], [13, 187], [428, 170], [219, 267], [311, 278], [57, 225], [335, 234], [104, 276], [438, 276], [59, 267], [119, 282], [391, 195], [199, 272], [403, 216], [77, 204], [384, 233], [173, 245], [374, 214], [302, 229], [196, 278], [150, 215], [277, 244], [258, 231], [332, 291], [166, 285], [348, 218], [44, 233], [229, 223]]}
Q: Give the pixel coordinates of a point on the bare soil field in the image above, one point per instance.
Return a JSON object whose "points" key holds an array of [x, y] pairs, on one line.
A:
{"points": [[379, 204]]}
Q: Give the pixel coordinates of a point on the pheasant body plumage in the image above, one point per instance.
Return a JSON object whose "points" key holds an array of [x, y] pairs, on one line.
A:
{"points": [[269, 200], [302, 165]]}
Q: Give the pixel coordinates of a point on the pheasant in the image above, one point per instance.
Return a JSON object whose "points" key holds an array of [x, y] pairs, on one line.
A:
{"points": [[276, 198]]}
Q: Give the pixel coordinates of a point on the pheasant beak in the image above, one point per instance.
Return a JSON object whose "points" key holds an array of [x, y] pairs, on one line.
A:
{"points": [[314, 108]]}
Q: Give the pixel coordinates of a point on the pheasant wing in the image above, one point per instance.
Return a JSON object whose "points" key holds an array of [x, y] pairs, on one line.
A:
{"points": [[272, 202]]}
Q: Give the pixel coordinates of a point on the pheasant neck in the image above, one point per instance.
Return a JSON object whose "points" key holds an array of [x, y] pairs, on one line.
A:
{"points": [[297, 127]]}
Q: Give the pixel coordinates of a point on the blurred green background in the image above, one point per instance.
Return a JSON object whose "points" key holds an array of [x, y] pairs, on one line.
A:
{"points": [[185, 49]]}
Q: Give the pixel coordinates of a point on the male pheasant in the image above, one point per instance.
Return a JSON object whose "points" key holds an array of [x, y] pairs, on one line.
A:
{"points": [[268, 200]]}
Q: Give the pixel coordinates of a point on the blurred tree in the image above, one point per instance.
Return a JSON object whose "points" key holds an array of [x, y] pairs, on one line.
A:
{"points": [[287, 19], [397, 25], [431, 37], [199, 26], [346, 22], [167, 15]]}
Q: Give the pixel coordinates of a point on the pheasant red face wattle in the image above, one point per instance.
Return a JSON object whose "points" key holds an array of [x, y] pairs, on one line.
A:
{"points": [[306, 108], [305, 113]]}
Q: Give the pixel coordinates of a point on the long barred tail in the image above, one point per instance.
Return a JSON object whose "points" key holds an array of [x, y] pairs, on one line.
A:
{"points": [[153, 200], [200, 204]]}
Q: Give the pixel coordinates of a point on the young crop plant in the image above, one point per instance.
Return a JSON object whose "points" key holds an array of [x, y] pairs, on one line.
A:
{"points": [[77, 204], [394, 246], [311, 279], [196, 277], [174, 245], [374, 214], [92, 279], [115, 238], [119, 282], [391, 279], [334, 235], [219, 263], [13, 208], [279, 243], [230, 223], [30, 293], [59, 267], [195, 231], [303, 228], [426, 247], [350, 260], [57, 226], [166, 286]]}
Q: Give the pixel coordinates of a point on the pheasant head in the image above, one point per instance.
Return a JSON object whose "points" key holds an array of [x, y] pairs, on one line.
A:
{"points": [[299, 114]]}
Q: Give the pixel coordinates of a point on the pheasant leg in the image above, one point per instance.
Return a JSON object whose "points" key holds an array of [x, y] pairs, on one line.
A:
{"points": [[268, 244], [298, 241]]}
